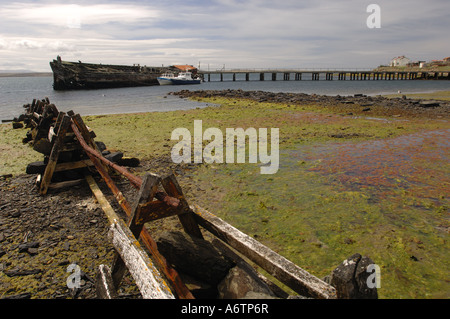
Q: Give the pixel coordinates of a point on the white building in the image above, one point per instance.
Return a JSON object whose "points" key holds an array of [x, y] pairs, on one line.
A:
{"points": [[400, 61]]}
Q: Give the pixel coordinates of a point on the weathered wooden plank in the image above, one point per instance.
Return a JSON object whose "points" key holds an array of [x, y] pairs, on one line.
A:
{"points": [[53, 158], [59, 119], [84, 131], [186, 218], [155, 210], [147, 191], [101, 199], [278, 266], [64, 184], [145, 274], [73, 165], [103, 283]]}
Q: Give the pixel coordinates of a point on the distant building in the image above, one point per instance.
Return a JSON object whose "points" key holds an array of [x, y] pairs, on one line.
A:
{"points": [[400, 61], [184, 68], [420, 64]]}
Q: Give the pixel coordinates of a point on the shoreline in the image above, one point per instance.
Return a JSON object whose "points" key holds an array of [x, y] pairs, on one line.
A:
{"points": [[26, 74], [357, 104]]}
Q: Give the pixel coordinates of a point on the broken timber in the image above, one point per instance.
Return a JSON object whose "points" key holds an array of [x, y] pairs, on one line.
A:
{"points": [[155, 277]]}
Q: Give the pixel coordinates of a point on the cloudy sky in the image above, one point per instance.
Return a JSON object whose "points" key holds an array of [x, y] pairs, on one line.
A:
{"points": [[214, 33]]}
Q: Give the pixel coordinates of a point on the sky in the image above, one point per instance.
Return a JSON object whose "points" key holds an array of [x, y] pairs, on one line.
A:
{"points": [[214, 34]]}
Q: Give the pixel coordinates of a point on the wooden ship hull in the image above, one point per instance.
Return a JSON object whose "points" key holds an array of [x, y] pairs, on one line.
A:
{"points": [[82, 76]]}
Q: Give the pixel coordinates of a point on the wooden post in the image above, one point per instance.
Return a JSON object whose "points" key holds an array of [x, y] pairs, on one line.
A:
{"points": [[186, 218], [53, 158]]}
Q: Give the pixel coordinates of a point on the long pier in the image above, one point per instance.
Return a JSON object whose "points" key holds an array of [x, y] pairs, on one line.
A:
{"points": [[318, 74]]}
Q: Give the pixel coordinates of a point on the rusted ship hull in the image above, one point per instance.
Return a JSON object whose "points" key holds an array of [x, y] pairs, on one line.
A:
{"points": [[84, 76]]}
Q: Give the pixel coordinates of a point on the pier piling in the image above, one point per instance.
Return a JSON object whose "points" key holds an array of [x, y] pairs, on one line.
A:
{"points": [[318, 74]]}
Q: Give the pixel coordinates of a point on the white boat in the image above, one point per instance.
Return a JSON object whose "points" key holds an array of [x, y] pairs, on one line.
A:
{"points": [[181, 78]]}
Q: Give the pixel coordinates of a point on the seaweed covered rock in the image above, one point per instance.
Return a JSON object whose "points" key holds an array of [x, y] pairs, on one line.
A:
{"points": [[352, 277]]}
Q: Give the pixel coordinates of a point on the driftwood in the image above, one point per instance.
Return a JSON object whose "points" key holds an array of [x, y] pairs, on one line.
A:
{"points": [[104, 285], [147, 277]]}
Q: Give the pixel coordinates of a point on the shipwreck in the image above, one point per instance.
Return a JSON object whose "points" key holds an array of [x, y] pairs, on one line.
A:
{"points": [[85, 76]]}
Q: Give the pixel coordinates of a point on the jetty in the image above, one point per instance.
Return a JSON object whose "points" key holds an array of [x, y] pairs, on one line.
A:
{"points": [[318, 75]]}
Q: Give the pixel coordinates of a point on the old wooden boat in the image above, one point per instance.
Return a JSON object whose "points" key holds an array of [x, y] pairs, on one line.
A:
{"points": [[79, 76]]}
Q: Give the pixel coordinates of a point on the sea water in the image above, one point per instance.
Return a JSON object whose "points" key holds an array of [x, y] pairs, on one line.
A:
{"points": [[17, 91]]}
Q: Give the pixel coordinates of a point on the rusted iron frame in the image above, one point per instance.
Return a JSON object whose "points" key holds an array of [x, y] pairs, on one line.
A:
{"points": [[171, 274], [136, 181], [103, 172]]}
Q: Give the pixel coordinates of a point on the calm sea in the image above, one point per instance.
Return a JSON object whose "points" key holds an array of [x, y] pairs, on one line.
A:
{"points": [[17, 91]]}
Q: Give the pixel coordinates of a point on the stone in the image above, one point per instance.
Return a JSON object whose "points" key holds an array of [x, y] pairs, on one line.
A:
{"points": [[114, 157], [429, 103], [36, 168], [25, 246], [350, 279], [16, 213], [195, 257], [101, 146], [242, 284], [32, 251], [17, 125]]}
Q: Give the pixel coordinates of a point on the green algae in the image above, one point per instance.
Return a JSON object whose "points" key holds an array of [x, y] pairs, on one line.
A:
{"points": [[14, 156]]}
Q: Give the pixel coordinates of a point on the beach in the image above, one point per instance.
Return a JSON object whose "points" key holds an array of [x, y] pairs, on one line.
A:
{"points": [[357, 174]]}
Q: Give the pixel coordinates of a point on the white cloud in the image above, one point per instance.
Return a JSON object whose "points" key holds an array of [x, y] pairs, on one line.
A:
{"points": [[251, 33], [74, 15]]}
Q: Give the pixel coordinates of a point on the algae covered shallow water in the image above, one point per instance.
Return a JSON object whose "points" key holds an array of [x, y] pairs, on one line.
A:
{"points": [[326, 203], [346, 184]]}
